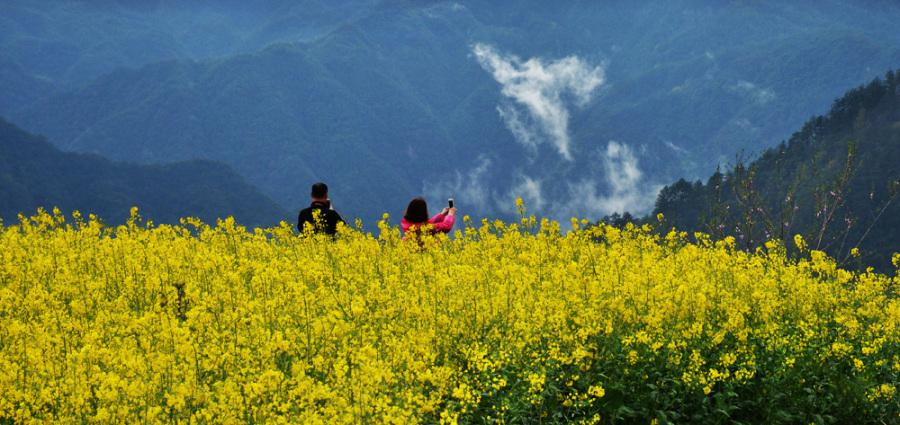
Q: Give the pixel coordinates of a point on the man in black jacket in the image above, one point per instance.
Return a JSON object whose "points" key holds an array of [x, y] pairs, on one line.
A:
{"points": [[319, 217]]}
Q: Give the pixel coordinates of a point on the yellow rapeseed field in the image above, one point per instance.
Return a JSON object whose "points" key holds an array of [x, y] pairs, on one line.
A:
{"points": [[499, 323]]}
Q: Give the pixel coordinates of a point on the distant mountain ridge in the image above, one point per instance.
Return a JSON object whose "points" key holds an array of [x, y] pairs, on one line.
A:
{"points": [[35, 174], [836, 182], [393, 103], [72, 42]]}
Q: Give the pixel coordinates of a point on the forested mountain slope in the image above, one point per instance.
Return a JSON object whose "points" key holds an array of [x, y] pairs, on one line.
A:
{"points": [[836, 182], [35, 174]]}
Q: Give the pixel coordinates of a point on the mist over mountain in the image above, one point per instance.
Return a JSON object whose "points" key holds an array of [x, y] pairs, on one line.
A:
{"points": [[581, 108], [72, 42], [34, 174]]}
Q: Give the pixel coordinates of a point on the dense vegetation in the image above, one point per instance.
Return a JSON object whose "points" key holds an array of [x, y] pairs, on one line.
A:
{"points": [[150, 317], [391, 93], [836, 181], [35, 174], [505, 323]]}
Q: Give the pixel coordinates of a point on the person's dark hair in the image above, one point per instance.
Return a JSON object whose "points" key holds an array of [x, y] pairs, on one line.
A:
{"points": [[417, 211], [320, 190]]}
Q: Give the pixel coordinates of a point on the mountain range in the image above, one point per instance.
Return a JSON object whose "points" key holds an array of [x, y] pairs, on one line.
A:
{"points": [[581, 108], [34, 174]]}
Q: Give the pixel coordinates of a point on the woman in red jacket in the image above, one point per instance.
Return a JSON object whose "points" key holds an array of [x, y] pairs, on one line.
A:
{"points": [[416, 217]]}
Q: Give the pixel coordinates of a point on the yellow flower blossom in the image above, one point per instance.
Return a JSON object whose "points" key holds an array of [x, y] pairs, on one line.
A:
{"points": [[500, 323], [800, 243]]}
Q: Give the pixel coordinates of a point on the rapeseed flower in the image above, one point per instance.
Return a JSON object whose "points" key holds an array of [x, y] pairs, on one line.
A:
{"points": [[504, 322]]}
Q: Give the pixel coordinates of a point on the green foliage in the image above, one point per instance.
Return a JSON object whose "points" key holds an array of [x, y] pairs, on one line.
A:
{"points": [[835, 181], [34, 174]]}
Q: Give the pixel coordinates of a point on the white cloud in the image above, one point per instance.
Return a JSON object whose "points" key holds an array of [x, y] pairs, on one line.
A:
{"points": [[475, 195], [758, 94], [620, 187], [531, 192], [539, 88], [622, 170], [470, 189], [441, 9], [537, 97], [519, 129], [676, 148], [744, 124], [624, 181]]}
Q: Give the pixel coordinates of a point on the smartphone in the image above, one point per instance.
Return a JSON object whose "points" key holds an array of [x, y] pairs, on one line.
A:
{"points": [[450, 202]]}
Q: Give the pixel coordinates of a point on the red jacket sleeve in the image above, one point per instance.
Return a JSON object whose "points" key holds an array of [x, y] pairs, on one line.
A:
{"points": [[442, 223]]}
